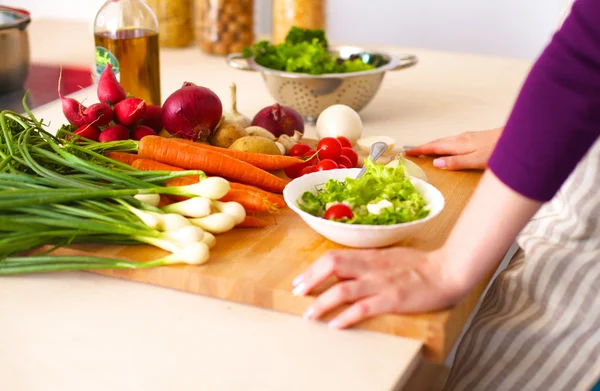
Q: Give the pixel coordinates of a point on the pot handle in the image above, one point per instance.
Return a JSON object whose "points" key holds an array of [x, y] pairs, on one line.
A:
{"points": [[406, 61], [234, 61]]}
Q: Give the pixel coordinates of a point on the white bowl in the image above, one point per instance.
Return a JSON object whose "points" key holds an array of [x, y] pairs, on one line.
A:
{"points": [[356, 235]]}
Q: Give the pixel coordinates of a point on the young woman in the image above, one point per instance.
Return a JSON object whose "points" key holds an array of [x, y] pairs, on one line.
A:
{"points": [[539, 325]]}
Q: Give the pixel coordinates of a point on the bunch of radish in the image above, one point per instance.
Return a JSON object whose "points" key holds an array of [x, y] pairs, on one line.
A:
{"points": [[115, 117]]}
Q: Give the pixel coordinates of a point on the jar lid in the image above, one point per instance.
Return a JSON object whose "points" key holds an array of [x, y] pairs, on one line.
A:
{"points": [[13, 17]]}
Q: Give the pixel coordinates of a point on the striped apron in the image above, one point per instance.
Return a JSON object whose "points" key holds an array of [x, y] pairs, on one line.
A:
{"points": [[538, 327]]}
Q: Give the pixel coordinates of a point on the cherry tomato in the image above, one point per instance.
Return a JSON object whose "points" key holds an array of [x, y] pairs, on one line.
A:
{"points": [[299, 150], [341, 166], [326, 164], [350, 154], [294, 171], [308, 170], [338, 211], [344, 161], [314, 159], [344, 141], [329, 148]]}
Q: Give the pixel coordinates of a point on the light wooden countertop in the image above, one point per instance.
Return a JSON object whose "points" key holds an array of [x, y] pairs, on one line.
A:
{"points": [[82, 331]]}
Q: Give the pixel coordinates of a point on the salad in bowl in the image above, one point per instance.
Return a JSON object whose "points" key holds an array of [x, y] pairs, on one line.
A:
{"points": [[379, 209]]}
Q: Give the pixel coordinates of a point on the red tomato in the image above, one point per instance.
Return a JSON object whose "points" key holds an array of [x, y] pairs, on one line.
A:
{"points": [[314, 159], [308, 170], [338, 211], [329, 148], [351, 155], [326, 164], [344, 141], [341, 166], [294, 171], [299, 150], [344, 161]]}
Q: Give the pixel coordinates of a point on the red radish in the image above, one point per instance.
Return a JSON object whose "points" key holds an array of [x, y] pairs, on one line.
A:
{"points": [[130, 111], [99, 114], [110, 91], [279, 120], [153, 117], [72, 109], [142, 131], [114, 133], [192, 112], [89, 131]]}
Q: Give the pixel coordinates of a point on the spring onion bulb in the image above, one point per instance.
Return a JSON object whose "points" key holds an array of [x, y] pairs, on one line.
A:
{"points": [[209, 239], [172, 222], [216, 223], [232, 209], [152, 220], [192, 254], [150, 199], [193, 207], [213, 188], [185, 235]]}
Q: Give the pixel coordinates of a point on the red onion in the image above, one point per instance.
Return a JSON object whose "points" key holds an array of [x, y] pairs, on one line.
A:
{"points": [[88, 131], [99, 114], [141, 131], [192, 112], [114, 133], [130, 111], [153, 117], [110, 91], [279, 120]]}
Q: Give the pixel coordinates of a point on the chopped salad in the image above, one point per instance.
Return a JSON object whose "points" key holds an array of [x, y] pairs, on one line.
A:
{"points": [[384, 195]]}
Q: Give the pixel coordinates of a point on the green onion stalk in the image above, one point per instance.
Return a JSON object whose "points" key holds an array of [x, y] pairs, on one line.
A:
{"points": [[56, 190]]}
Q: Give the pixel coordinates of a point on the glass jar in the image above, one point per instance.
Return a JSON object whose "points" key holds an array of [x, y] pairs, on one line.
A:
{"points": [[308, 14], [126, 37], [224, 26], [175, 21]]}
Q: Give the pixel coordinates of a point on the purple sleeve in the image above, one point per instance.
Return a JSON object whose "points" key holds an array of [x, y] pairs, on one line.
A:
{"points": [[556, 118]]}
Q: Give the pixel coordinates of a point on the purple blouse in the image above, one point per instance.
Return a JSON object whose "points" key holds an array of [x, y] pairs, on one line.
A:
{"points": [[556, 118]]}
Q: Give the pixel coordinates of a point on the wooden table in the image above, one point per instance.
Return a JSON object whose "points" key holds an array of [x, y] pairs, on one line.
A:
{"points": [[446, 93]]}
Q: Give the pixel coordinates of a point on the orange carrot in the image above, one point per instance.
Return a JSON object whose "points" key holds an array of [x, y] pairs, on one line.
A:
{"points": [[252, 202], [252, 222], [153, 165], [260, 160], [171, 151], [164, 201], [123, 157]]}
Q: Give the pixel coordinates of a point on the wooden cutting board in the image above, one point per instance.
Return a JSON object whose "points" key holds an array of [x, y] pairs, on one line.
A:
{"points": [[257, 266]]}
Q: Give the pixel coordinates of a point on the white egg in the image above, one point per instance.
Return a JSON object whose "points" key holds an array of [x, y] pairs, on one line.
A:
{"points": [[339, 120]]}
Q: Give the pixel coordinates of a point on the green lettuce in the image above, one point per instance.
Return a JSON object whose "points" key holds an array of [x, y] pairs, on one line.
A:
{"points": [[378, 183]]}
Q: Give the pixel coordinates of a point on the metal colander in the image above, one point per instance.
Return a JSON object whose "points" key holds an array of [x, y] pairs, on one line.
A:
{"points": [[309, 95]]}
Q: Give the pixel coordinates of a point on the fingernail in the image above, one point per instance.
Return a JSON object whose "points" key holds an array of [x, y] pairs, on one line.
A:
{"points": [[308, 313], [334, 324], [299, 290], [439, 163], [297, 280]]}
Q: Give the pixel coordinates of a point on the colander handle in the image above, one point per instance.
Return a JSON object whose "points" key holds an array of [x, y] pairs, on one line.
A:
{"points": [[406, 61], [233, 60]]}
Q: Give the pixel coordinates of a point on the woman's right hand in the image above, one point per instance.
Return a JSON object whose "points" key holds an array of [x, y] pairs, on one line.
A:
{"points": [[469, 150]]}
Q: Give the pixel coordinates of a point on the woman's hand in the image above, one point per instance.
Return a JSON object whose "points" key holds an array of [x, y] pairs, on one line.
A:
{"points": [[469, 150], [397, 280]]}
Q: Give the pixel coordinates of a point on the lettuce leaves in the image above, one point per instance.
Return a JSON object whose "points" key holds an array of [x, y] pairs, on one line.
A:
{"points": [[378, 183]]}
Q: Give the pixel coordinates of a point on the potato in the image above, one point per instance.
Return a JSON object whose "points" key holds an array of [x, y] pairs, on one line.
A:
{"points": [[226, 134], [255, 144]]}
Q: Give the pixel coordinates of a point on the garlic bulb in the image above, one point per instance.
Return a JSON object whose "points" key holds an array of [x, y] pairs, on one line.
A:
{"points": [[232, 114]]}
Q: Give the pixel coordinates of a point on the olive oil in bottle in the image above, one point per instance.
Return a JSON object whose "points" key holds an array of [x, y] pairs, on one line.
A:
{"points": [[126, 36]]}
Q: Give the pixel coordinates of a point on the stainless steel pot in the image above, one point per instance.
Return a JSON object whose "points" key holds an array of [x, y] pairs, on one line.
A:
{"points": [[14, 48]]}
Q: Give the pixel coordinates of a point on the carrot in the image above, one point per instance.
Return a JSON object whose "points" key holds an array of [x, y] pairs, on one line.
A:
{"points": [[123, 157], [252, 222], [260, 160], [153, 165], [171, 151], [164, 201], [252, 202]]}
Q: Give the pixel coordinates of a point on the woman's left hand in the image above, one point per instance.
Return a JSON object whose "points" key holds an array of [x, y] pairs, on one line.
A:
{"points": [[397, 280]]}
